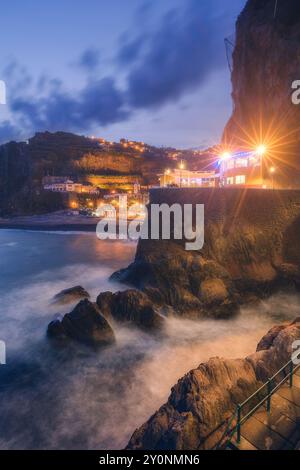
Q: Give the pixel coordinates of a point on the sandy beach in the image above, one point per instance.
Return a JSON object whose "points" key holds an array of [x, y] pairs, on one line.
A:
{"points": [[57, 221]]}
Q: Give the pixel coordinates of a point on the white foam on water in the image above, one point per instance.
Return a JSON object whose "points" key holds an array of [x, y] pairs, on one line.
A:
{"points": [[96, 401]]}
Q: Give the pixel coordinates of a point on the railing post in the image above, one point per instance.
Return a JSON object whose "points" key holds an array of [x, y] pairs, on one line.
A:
{"points": [[269, 395], [291, 374], [238, 427]]}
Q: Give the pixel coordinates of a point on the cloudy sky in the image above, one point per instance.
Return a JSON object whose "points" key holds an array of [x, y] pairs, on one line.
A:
{"points": [[151, 70]]}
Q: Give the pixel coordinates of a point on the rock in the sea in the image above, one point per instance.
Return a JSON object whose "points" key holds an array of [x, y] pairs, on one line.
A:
{"points": [[189, 283], [85, 324], [70, 295], [200, 405], [131, 306], [213, 290]]}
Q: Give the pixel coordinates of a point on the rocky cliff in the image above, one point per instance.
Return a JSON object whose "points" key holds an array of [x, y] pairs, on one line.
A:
{"points": [[251, 249], [203, 401], [265, 64]]}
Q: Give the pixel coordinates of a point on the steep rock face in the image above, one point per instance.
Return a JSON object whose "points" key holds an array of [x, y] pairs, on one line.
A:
{"points": [[190, 284], [265, 64], [202, 402], [251, 249], [85, 324]]}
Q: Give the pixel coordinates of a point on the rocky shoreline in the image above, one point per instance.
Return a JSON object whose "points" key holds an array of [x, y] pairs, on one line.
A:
{"points": [[251, 251], [202, 402]]}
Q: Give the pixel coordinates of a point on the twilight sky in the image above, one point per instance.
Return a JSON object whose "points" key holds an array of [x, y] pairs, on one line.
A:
{"points": [[151, 70]]}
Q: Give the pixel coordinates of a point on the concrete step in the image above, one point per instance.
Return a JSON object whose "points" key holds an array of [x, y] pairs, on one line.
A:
{"points": [[291, 394], [243, 445], [280, 423], [296, 380], [281, 405], [262, 436], [277, 430]]}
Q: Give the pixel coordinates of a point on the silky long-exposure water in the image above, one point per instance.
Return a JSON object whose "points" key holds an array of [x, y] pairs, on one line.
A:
{"points": [[96, 400]]}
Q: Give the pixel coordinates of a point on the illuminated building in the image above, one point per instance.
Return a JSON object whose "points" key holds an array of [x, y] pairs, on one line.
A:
{"points": [[244, 169], [68, 186], [183, 178]]}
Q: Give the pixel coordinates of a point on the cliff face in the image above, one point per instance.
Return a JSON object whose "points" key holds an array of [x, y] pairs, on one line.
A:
{"points": [[251, 249], [202, 402], [265, 64]]}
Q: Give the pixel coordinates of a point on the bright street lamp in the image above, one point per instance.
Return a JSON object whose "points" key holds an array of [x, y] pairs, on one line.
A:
{"points": [[226, 156], [261, 150], [181, 167]]}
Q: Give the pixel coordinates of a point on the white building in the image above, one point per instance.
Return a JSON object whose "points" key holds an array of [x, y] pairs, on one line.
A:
{"points": [[189, 179], [68, 186]]}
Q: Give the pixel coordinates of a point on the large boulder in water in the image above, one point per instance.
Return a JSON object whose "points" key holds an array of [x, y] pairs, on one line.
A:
{"points": [[84, 324], [131, 306], [190, 283], [70, 295]]}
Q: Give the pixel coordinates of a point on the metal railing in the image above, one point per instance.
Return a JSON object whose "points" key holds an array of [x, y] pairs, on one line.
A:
{"points": [[260, 398]]}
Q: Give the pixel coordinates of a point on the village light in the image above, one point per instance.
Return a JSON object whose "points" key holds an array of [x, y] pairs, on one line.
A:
{"points": [[261, 150], [226, 156], [181, 167]]}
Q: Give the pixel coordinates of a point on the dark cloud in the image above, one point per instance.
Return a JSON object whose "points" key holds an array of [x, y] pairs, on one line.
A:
{"points": [[9, 132], [16, 77], [99, 102], [48, 106], [181, 54], [130, 50], [89, 59], [161, 66]]}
